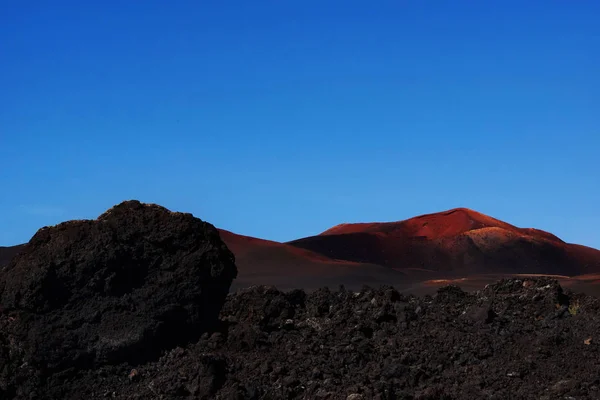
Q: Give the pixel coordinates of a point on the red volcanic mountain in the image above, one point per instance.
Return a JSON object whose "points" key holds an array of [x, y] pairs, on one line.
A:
{"points": [[455, 242], [437, 225]]}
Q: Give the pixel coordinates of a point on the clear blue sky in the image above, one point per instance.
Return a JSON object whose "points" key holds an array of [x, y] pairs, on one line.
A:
{"points": [[279, 119]]}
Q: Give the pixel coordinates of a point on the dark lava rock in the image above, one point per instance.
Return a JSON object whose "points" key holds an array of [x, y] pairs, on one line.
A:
{"points": [[123, 288], [7, 253]]}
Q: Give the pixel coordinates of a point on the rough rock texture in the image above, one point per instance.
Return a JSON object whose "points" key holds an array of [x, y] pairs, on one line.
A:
{"points": [[7, 253], [516, 339], [124, 288]]}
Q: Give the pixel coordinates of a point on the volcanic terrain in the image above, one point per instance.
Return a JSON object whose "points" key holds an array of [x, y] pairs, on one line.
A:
{"points": [[7, 253], [134, 305], [458, 242]]}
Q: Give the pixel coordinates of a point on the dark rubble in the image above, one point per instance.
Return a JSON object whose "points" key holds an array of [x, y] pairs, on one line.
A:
{"points": [[516, 339]]}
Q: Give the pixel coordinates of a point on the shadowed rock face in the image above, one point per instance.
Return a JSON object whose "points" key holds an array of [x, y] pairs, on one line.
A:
{"points": [[7, 253], [122, 288]]}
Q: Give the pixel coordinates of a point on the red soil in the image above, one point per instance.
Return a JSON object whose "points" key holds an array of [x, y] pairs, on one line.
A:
{"points": [[457, 242], [438, 225], [266, 262]]}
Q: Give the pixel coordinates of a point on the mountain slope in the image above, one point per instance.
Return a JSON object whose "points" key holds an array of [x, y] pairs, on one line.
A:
{"points": [[454, 242], [438, 225], [266, 262]]}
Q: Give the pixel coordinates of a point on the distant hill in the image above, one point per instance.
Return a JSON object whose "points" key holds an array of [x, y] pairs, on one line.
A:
{"points": [[438, 225], [454, 242]]}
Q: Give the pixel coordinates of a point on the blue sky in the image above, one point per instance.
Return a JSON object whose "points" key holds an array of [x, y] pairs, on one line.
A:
{"points": [[279, 119]]}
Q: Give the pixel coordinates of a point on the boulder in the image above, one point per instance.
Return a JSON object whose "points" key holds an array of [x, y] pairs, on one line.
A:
{"points": [[124, 288]]}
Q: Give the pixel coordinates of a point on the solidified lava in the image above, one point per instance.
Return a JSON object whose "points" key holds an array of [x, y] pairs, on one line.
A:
{"points": [[516, 339], [7, 254], [123, 288]]}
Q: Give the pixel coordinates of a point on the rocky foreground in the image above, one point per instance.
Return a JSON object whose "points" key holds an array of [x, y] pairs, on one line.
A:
{"points": [[127, 306]]}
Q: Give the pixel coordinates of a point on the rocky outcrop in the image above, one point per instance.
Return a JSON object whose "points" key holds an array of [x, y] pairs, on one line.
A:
{"points": [[123, 288]]}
